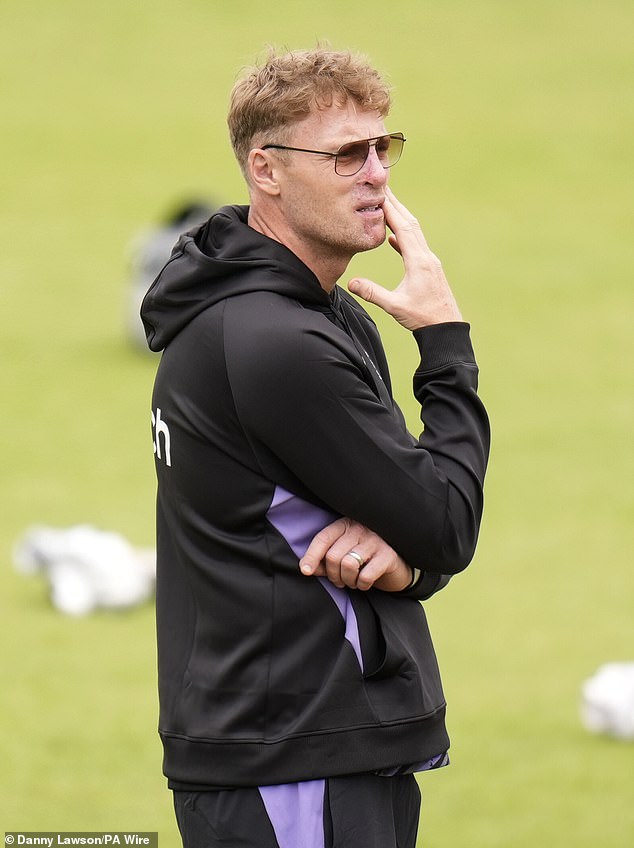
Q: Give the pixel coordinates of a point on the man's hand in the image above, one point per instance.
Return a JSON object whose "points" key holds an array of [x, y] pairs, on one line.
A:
{"points": [[349, 554], [423, 296]]}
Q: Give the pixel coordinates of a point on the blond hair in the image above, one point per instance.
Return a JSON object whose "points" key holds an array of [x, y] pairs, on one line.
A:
{"points": [[268, 100]]}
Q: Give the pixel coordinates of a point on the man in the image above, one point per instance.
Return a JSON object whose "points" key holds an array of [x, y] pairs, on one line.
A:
{"points": [[299, 523]]}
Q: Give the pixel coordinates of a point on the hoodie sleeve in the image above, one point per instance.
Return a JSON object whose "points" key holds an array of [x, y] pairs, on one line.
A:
{"points": [[301, 397]]}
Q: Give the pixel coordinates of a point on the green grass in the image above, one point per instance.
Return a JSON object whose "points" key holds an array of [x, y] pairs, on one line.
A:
{"points": [[519, 162]]}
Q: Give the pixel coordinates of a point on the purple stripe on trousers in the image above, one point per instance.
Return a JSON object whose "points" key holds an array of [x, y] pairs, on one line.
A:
{"points": [[296, 811], [298, 522]]}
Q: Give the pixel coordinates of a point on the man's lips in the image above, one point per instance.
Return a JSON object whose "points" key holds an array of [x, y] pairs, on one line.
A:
{"points": [[371, 208]]}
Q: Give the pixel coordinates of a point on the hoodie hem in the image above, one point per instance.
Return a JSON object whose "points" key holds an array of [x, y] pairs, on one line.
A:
{"points": [[200, 763]]}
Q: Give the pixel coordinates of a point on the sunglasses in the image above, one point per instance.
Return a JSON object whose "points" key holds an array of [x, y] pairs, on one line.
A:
{"points": [[351, 157]]}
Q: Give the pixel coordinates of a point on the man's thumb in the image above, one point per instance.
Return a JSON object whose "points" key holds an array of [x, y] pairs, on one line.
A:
{"points": [[365, 289]]}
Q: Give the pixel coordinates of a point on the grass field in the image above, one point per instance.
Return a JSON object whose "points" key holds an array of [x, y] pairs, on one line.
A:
{"points": [[520, 164]]}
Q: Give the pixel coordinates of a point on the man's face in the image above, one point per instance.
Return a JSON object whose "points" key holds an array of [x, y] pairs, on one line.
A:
{"points": [[327, 214]]}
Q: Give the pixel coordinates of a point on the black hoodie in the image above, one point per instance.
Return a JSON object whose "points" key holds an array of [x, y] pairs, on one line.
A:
{"points": [[272, 415]]}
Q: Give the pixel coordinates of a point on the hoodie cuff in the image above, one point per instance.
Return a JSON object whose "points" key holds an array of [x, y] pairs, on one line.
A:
{"points": [[427, 584], [444, 344]]}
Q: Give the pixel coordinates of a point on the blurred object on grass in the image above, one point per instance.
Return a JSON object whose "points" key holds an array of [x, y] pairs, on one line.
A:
{"points": [[86, 568], [150, 250], [607, 704]]}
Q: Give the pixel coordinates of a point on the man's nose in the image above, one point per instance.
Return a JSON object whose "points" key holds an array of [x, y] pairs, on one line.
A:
{"points": [[373, 171]]}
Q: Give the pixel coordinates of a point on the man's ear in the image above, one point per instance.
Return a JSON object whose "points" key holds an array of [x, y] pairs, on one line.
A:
{"points": [[262, 170]]}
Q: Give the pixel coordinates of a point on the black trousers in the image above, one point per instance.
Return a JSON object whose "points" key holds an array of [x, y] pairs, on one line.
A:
{"points": [[360, 811]]}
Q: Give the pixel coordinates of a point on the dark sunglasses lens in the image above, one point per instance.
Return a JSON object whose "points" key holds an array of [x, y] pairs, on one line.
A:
{"points": [[389, 149], [351, 157]]}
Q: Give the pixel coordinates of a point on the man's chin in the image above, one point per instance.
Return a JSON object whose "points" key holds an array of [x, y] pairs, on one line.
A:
{"points": [[375, 238]]}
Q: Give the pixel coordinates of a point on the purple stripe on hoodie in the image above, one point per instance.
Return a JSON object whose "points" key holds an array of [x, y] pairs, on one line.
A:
{"points": [[298, 522]]}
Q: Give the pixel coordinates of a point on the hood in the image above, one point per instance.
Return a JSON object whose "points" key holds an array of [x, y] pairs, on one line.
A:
{"points": [[222, 258]]}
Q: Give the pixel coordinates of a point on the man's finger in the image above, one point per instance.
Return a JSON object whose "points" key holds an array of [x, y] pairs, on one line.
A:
{"points": [[404, 225], [394, 243], [320, 545], [400, 211], [375, 568]]}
